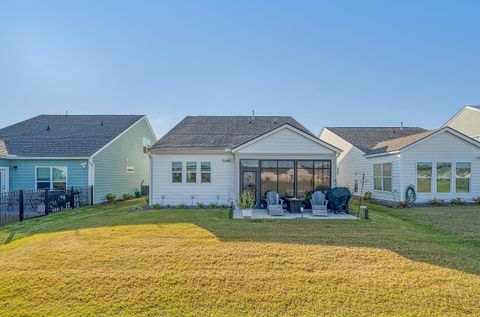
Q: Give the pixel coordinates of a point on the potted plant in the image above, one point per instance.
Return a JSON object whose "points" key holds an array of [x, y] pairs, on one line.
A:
{"points": [[246, 203]]}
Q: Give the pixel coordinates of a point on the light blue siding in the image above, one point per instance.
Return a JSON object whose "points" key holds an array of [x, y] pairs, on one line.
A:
{"points": [[23, 176], [111, 163]]}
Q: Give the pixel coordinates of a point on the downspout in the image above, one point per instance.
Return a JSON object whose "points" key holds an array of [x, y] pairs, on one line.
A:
{"points": [[150, 188]]}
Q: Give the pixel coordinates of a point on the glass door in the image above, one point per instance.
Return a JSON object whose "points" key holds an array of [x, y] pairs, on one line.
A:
{"points": [[249, 183]]}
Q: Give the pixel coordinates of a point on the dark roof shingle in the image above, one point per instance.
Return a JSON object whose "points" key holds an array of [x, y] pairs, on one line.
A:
{"points": [[63, 136], [367, 138], [219, 132]]}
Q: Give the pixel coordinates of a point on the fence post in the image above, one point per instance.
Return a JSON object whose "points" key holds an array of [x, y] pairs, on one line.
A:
{"points": [[91, 195], [21, 206], [72, 199], [47, 201]]}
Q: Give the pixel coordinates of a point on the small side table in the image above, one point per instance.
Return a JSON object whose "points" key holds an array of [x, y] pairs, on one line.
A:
{"points": [[295, 204]]}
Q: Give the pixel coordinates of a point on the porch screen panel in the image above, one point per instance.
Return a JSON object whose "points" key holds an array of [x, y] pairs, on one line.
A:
{"points": [[286, 178], [304, 178], [269, 177], [322, 175]]}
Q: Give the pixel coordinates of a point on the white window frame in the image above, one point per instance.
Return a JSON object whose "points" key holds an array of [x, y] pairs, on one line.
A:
{"points": [[6, 179], [456, 177], [437, 178], [51, 175], [432, 178], [205, 172], [186, 172], [171, 172], [382, 177], [146, 144]]}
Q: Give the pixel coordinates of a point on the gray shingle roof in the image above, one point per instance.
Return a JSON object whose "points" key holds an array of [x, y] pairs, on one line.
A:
{"points": [[63, 136], [367, 138], [219, 132]]}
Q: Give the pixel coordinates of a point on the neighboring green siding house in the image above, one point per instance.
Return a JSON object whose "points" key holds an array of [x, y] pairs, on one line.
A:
{"points": [[107, 152]]}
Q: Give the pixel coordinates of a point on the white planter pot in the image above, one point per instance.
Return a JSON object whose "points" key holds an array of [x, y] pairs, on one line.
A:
{"points": [[247, 213]]}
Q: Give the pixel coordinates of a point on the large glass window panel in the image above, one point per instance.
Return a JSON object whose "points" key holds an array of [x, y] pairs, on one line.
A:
{"points": [[269, 180], [444, 177], [286, 178], [463, 173], [424, 177], [377, 176], [322, 175], [304, 178]]}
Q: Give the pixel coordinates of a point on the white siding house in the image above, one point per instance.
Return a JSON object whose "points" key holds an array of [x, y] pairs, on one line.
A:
{"points": [[466, 121], [212, 160], [442, 164]]}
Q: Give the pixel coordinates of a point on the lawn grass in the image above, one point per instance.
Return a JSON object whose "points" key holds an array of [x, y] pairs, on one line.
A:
{"points": [[105, 260]]}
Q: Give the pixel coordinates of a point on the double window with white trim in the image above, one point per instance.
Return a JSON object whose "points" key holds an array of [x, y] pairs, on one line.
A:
{"points": [[53, 178], [382, 177], [443, 177]]}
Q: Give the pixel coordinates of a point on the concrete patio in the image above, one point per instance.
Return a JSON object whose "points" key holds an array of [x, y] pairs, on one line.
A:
{"points": [[307, 214]]}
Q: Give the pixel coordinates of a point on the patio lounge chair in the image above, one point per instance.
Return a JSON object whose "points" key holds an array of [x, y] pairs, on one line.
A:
{"points": [[319, 204], [274, 204]]}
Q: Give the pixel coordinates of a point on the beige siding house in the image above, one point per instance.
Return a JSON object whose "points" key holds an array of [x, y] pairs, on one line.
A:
{"points": [[442, 164], [212, 160], [466, 121]]}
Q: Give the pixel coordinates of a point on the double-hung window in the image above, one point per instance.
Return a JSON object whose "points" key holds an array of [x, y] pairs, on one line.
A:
{"points": [[444, 177], [177, 172], [382, 177], [53, 178], [191, 172], [463, 173], [206, 172], [424, 177]]}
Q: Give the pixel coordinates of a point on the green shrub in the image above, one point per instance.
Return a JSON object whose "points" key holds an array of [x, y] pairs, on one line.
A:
{"points": [[457, 201], [147, 200], [246, 201], [128, 196], [403, 204], [212, 206], [156, 206], [367, 195], [200, 206], [182, 206], [436, 202], [110, 197], [476, 200]]}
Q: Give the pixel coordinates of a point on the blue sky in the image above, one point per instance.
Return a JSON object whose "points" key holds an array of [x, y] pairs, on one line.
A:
{"points": [[327, 63]]}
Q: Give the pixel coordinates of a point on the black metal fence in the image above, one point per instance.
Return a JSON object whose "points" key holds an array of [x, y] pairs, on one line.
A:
{"points": [[25, 204]]}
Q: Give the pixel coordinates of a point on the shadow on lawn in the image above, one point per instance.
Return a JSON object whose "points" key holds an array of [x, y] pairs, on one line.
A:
{"points": [[402, 232]]}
